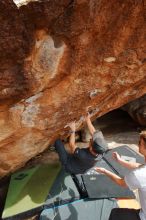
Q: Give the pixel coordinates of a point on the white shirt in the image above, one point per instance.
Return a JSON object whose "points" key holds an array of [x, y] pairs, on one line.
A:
{"points": [[136, 179]]}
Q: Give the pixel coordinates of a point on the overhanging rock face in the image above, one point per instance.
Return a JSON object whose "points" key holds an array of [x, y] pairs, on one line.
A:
{"points": [[60, 57]]}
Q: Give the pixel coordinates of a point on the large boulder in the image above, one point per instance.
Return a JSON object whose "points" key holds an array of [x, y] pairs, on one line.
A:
{"points": [[137, 110], [59, 58]]}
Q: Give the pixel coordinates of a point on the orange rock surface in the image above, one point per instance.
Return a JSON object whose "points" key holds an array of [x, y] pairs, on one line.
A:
{"points": [[60, 57]]}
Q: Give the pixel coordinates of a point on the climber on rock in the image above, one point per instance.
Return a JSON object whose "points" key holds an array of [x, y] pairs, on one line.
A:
{"points": [[81, 160]]}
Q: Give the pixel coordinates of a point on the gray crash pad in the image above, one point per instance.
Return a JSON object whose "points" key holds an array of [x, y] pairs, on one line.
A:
{"points": [[63, 190], [83, 209]]}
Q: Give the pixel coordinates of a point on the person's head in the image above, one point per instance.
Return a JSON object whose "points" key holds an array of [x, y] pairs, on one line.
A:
{"points": [[95, 148], [142, 143]]}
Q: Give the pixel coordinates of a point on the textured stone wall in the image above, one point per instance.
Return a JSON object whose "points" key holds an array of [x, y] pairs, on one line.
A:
{"points": [[137, 110], [60, 57]]}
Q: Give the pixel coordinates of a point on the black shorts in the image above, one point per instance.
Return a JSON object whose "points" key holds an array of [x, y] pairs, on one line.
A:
{"points": [[124, 214]]}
